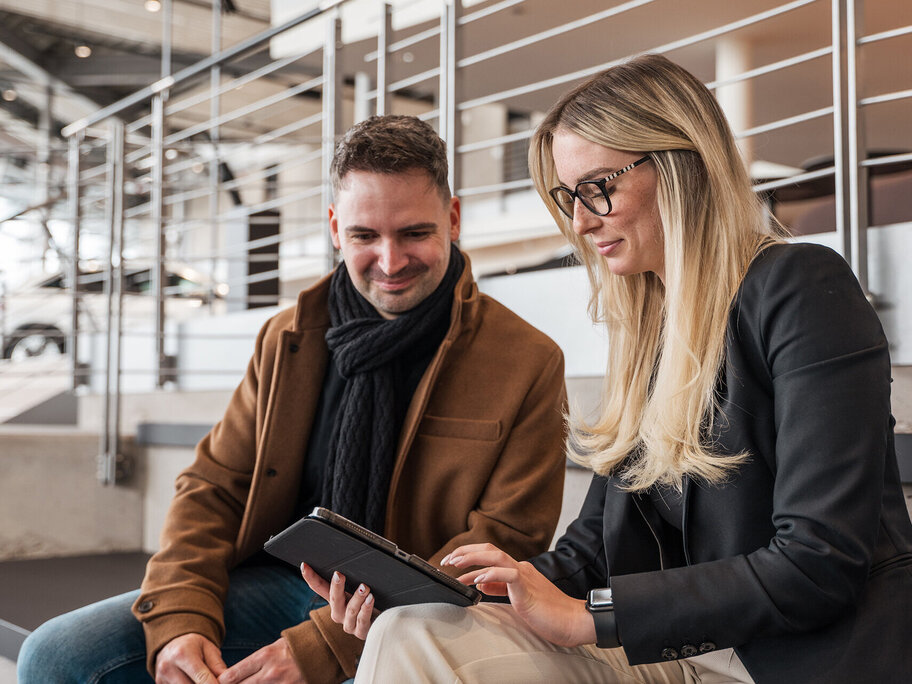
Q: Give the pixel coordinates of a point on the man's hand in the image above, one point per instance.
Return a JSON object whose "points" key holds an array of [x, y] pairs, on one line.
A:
{"points": [[189, 659], [272, 664]]}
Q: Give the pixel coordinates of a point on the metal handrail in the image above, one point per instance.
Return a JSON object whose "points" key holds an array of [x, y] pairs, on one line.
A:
{"points": [[667, 47], [198, 69]]}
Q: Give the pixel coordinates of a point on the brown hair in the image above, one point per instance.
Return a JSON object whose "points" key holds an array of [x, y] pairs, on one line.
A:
{"points": [[391, 144]]}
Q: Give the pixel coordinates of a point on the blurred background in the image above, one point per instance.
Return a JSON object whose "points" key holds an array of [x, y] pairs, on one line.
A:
{"points": [[164, 190]]}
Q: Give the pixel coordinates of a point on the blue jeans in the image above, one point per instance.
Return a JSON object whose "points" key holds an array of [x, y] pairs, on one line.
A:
{"points": [[104, 643]]}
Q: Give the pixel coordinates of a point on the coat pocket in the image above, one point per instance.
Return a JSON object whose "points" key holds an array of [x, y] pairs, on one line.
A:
{"points": [[460, 428]]}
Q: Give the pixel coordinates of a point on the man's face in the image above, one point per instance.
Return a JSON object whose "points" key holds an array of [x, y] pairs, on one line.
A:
{"points": [[394, 232]]}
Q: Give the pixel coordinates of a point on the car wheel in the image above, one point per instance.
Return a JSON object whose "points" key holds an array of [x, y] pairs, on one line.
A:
{"points": [[36, 343]]}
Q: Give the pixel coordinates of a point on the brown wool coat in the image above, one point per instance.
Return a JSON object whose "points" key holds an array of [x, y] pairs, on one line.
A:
{"points": [[480, 458]]}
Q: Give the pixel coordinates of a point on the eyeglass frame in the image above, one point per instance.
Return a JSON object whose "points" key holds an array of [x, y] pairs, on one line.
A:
{"points": [[600, 183]]}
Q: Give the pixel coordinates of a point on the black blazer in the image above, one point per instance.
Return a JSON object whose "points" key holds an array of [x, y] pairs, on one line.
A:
{"points": [[802, 561]]}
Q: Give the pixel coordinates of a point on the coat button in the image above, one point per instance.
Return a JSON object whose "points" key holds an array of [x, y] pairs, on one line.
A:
{"points": [[688, 651], [271, 472], [145, 606], [669, 654], [707, 646], [293, 348]]}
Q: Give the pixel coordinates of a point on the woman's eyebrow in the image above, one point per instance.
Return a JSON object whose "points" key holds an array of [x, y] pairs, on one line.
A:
{"points": [[592, 174]]}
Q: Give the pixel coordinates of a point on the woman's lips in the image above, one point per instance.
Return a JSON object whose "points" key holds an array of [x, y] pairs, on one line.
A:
{"points": [[607, 247]]}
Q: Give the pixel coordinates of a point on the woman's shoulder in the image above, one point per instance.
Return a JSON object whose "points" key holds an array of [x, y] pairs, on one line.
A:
{"points": [[786, 269]]}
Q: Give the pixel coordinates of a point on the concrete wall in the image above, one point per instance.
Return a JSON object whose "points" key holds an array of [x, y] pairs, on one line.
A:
{"points": [[51, 503]]}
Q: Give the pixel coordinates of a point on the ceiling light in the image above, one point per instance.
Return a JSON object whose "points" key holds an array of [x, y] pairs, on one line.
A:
{"points": [[171, 153], [152, 5], [83, 51], [10, 95]]}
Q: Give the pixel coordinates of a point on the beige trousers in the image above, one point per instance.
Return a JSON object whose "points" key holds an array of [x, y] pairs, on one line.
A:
{"points": [[439, 643]]}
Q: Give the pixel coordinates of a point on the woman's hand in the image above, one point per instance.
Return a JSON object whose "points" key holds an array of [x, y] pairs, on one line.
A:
{"points": [[355, 612], [548, 611]]}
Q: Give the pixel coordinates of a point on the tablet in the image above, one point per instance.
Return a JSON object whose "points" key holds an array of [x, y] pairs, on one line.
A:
{"points": [[327, 541]]}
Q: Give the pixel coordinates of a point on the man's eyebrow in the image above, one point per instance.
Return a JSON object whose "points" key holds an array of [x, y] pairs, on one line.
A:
{"points": [[425, 225]]}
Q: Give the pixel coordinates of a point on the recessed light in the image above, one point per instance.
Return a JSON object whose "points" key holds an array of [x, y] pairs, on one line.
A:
{"points": [[171, 153], [10, 95], [152, 5], [83, 51]]}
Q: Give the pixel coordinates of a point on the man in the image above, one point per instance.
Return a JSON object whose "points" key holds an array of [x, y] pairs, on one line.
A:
{"points": [[394, 394]]}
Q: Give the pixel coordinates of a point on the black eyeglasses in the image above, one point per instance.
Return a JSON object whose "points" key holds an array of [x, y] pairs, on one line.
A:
{"points": [[592, 193]]}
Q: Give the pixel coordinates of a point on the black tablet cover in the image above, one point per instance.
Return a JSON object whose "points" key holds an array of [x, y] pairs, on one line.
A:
{"points": [[327, 542]]}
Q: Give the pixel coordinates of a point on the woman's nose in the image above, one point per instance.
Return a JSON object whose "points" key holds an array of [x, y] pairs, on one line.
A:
{"points": [[584, 220]]}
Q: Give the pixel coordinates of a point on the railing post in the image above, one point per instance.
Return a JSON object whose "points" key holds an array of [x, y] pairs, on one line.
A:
{"points": [[74, 198], [332, 115], [858, 174], [156, 205], [383, 43], [110, 438], [215, 81], [449, 54], [850, 191]]}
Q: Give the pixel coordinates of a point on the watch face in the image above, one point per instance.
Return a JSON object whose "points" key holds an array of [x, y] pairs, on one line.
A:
{"points": [[601, 598]]}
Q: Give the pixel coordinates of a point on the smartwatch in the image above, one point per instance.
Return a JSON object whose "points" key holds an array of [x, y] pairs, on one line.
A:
{"points": [[600, 604]]}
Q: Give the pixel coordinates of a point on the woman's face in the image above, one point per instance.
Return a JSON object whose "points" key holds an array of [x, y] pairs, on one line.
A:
{"points": [[630, 238]]}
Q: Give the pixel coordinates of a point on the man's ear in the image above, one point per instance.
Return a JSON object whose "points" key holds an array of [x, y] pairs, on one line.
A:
{"points": [[454, 219], [334, 226]]}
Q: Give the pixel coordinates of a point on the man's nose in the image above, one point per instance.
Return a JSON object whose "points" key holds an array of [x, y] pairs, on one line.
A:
{"points": [[392, 258]]}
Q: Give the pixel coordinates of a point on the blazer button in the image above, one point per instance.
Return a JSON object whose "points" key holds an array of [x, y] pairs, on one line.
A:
{"points": [[293, 348], [145, 606], [271, 472], [707, 646], [688, 651], [669, 654]]}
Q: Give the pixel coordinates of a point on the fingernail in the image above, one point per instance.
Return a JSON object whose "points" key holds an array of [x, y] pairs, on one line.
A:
{"points": [[362, 589], [456, 560], [303, 567], [337, 577], [445, 559], [369, 600], [479, 579]]}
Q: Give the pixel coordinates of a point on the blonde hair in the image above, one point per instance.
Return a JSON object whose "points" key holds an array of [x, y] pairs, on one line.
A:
{"points": [[666, 342]]}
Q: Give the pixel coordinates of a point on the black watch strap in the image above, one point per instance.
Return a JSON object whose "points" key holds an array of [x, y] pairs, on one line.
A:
{"points": [[600, 605]]}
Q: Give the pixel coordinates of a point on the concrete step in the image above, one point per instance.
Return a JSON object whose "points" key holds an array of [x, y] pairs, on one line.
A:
{"points": [[32, 382], [33, 591]]}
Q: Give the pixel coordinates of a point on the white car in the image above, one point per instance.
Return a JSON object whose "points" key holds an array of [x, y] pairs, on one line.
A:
{"points": [[35, 320]]}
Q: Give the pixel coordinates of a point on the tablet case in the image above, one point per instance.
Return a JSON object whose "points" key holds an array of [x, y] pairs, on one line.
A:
{"points": [[327, 541]]}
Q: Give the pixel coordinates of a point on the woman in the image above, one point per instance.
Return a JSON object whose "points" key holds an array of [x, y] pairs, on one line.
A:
{"points": [[745, 512]]}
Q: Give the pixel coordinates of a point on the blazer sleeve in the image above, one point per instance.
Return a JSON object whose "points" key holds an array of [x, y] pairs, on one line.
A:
{"points": [[829, 369]]}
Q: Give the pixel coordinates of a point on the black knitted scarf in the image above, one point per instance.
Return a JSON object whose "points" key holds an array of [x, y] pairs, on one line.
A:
{"points": [[368, 349]]}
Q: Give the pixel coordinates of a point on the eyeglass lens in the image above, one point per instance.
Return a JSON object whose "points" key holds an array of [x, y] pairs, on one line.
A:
{"points": [[589, 193]]}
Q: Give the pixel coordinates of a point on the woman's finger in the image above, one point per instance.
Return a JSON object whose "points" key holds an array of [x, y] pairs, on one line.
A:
{"points": [[464, 557], [317, 584], [490, 574], [337, 599], [353, 609], [365, 617], [463, 550]]}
